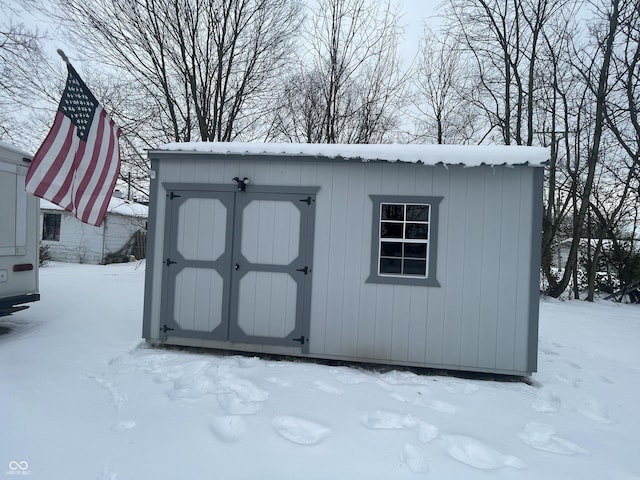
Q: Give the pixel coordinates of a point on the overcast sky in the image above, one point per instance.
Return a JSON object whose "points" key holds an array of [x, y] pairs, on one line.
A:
{"points": [[414, 15]]}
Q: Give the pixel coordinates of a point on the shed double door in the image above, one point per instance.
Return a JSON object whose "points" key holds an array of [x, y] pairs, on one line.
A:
{"points": [[237, 266]]}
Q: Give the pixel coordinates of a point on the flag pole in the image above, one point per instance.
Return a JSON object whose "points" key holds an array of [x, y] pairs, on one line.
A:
{"points": [[64, 56]]}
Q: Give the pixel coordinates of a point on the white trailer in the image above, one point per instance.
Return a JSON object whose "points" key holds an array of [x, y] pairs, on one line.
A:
{"points": [[18, 233]]}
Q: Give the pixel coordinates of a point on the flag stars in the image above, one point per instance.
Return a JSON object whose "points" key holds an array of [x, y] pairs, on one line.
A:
{"points": [[79, 105]]}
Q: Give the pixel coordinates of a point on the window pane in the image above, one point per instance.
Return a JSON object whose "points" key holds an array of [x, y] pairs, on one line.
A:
{"points": [[51, 226], [419, 213], [390, 265], [392, 212], [389, 249], [391, 230], [415, 250], [415, 267], [417, 231]]}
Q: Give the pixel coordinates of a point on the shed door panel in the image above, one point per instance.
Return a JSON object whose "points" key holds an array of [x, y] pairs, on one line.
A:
{"points": [[237, 266], [196, 272], [271, 258], [267, 305]]}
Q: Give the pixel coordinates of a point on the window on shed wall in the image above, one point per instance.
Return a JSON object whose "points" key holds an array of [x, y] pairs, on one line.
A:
{"points": [[51, 226], [403, 240]]}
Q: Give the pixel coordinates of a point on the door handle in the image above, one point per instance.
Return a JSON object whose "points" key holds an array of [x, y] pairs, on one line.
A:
{"points": [[236, 266]]}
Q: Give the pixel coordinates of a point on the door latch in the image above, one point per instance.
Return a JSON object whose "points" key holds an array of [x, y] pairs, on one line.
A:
{"points": [[300, 339]]}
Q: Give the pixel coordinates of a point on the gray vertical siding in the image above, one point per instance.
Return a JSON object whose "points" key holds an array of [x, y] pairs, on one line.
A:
{"points": [[436, 305], [479, 318]]}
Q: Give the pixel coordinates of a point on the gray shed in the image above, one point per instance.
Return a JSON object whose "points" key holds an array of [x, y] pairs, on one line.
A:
{"points": [[417, 255]]}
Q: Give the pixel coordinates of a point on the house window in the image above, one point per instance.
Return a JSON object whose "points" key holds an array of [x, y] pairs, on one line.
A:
{"points": [[51, 226], [404, 240]]}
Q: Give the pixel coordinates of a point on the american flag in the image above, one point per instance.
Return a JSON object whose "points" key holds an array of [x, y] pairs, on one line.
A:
{"points": [[77, 165]]}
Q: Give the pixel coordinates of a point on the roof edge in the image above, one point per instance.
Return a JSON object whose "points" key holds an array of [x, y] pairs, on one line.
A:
{"points": [[466, 155]]}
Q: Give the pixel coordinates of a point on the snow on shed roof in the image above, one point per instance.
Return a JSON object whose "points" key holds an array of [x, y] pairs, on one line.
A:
{"points": [[118, 206], [468, 155], [14, 149]]}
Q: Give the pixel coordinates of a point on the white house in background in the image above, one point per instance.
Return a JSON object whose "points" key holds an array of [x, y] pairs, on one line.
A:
{"points": [[122, 233]]}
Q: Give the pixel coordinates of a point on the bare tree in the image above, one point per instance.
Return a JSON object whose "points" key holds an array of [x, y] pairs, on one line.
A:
{"points": [[205, 67], [595, 69], [503, 39], [350, 87], [620, 178], [560, 97], [441, 80], [299, 112], [21, 60]]}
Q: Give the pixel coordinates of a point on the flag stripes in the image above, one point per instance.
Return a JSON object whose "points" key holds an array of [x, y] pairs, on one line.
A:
{"points": [[77, 165]]}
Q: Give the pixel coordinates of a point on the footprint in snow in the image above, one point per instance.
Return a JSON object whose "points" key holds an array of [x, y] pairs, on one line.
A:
{"points": [[280, 382], [476, 454], [228, 428], [390, 421], [327, 388], [594, 411], [543, 437], [465, 388], [575, 383], [413, 458], [123, 425], [107, 474], [381, 420], [240, 397], [548, 351], [437, 405], [117, 397], [248, 362], [300, 431], [442, 407], [401, 398], [547, 401], [427, 432], [352, 378], [191, 381], [574, 365], [141, 359], [396, 378]]}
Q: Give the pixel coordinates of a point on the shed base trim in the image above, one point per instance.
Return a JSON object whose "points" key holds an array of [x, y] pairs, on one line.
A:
{"points": [[295, 352]]}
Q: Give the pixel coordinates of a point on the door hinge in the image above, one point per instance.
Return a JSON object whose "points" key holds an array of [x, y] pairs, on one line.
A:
{"points": [[166, 329], [304, 270], [307, 200], [172, 195], [168, 262], [300, 339]]}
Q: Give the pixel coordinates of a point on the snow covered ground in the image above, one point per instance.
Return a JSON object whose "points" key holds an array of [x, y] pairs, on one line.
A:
{"points": [[82, 398]]}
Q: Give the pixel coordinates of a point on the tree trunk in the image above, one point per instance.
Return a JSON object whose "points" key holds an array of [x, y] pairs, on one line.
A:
{"points": [[592, 159]]}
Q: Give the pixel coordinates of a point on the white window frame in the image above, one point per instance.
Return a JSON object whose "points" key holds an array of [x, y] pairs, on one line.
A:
{"points": [[403, 240], [401, 278]]}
